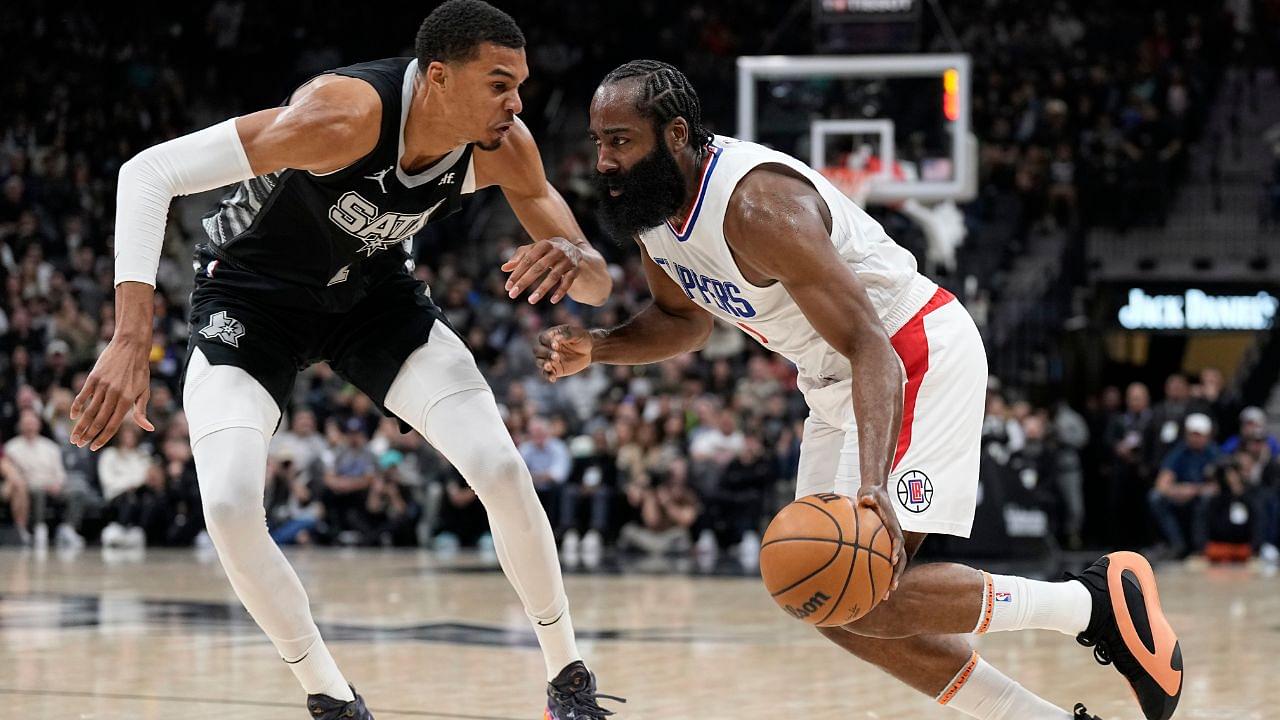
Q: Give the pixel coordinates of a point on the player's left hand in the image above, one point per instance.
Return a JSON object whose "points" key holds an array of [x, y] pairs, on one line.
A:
{"points": [[875, 498], [554, 261], [118, 385]]}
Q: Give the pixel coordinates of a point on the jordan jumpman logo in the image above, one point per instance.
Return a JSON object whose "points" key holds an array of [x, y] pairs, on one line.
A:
{"points": [[378, 178]]}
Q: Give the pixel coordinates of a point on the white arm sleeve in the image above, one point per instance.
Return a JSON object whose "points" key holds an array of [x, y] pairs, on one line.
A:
{"points": [[203, 160]]}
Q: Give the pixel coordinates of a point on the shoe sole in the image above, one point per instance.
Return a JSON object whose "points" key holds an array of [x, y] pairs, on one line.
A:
{"points": [[1160, 655]]}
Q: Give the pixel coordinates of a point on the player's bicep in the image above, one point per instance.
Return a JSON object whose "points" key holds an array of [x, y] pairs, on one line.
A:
{"points": [[326, 127], [777, 227]]}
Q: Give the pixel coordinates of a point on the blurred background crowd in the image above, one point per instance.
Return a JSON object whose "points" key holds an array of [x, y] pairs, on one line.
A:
{"points": [[1078, 130]]}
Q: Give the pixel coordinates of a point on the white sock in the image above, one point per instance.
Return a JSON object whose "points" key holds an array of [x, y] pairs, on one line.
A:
{"points": [[553, 626], [316, 669], [1015, 603], [981, 691], [559, 648]]}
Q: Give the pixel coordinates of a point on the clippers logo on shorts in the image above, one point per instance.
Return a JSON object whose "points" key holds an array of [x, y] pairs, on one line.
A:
{"points": [[915, 491], [721, 294], [225, 328], [377, 230]]}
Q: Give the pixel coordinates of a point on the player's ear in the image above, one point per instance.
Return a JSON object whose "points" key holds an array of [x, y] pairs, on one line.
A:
{"points": [[436, 74], [677, 134]]}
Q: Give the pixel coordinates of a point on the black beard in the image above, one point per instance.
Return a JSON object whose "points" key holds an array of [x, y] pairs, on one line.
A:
{"points": [[652, 191]]}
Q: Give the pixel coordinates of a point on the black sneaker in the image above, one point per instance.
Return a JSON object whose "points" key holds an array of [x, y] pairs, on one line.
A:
{"points": [[572, 695], [1083, 714], [323, 707], [1128, 629]]}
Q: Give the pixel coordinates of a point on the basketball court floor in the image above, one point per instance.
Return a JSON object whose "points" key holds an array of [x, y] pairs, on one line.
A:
{"points": [[161, 635]]}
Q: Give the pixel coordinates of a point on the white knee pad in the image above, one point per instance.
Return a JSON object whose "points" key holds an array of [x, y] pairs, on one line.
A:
{"points": [[231, 417], [232, 466], [216, 397]]}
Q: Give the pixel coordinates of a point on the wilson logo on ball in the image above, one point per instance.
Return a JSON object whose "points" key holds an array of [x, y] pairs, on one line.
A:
{"points": [[810, 607]]}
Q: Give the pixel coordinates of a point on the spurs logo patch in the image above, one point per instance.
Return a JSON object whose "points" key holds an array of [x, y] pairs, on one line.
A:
{"points": [[225, 328]]}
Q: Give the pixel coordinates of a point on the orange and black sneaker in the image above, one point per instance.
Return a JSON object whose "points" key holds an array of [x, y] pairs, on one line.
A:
{"points": [[1128, 629], [572, 695], [323, 707]]}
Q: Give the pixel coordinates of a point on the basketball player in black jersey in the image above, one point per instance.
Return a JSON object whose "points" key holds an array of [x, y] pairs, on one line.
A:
{"points": [[306, 262]]}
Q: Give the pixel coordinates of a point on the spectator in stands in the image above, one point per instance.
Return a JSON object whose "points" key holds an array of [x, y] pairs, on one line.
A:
{"points": [[179, 503], [1233, 516], [999, 427], [549, 462], [123, 473], [1253, 426], [14, 492], [302, 444], [462, 521], [735, 509], [590, 490], [295, 517], [347, 483], [1071, 436], [1035, 468], [1167, 417], [1260, 468], [1222, 404], [39, 461], [1181, 492], [666, 513], [715, 446], [393, 513]]}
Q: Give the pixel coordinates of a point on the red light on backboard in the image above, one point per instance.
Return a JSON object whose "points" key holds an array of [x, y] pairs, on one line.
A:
{"points": [[951, 94]]}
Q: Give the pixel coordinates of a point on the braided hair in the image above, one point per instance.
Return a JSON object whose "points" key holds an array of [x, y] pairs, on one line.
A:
{"points": [[665, 94]]}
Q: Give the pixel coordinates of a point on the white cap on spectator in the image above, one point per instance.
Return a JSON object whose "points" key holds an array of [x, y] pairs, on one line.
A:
{"points": [[1198, 423], [1253, 414], [58, 346]]}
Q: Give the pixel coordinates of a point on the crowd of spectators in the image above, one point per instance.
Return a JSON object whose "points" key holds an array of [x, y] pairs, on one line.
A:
{"points": [[1196, 473], [690, 453], [1086, 112]]}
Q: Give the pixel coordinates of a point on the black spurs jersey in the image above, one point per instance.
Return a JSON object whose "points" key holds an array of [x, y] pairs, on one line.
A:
{"points": [[335, 234]]}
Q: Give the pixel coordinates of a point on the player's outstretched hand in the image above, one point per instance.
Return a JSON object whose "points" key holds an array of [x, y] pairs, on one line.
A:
{"points": [[120, 381], [562, 351], [875, 498], [548, 266]]}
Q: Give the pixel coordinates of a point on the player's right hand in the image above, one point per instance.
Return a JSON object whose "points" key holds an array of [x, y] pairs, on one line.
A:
{"points": [[562, 351], [120, 381]]}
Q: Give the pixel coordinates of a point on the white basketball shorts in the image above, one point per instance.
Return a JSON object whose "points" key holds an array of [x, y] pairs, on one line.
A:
{"points": [[934, 482]]}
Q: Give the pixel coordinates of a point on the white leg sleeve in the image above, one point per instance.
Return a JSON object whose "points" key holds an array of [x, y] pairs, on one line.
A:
{"points": [[232, 417], [441, 394]]}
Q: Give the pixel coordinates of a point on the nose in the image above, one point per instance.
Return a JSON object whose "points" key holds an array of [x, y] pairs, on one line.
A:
{"points": [[605, 164], [515, 104]]}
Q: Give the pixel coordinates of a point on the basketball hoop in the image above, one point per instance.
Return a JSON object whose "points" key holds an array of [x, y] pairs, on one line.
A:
{"points": [[855, 183]]}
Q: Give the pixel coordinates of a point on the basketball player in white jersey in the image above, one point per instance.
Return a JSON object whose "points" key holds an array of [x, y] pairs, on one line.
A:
{"points": [[306, 261], [892, 368]]}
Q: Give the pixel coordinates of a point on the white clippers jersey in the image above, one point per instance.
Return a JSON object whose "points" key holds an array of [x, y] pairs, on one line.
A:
{"points": [[697, 257]]}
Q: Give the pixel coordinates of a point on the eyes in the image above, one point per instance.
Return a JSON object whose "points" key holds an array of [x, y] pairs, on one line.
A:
{"points": [[615, 141]]}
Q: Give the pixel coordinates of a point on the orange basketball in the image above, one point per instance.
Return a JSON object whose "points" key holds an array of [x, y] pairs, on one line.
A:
{"points": [[826, 561]]}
